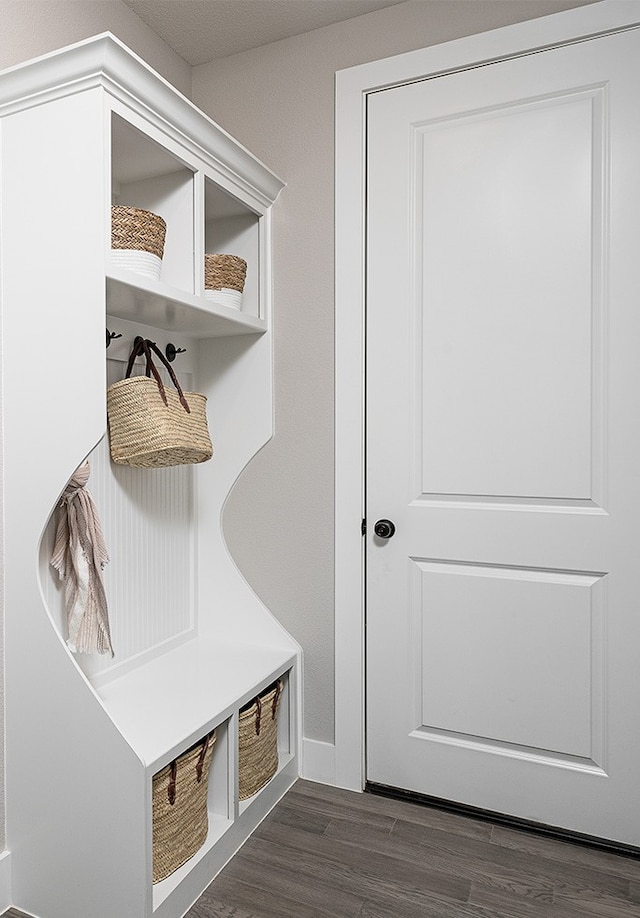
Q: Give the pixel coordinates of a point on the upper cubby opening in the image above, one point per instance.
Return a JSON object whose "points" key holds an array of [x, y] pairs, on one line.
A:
{"points": [[147, 176], [231, 228]]}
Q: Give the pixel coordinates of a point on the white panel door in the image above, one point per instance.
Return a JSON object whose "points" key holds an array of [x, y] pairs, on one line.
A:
{"points": [[503, 416]]}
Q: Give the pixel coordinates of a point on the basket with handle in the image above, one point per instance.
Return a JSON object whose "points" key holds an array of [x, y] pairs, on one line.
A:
{"points": [[151, 427], [258, 741], [180, 815]]}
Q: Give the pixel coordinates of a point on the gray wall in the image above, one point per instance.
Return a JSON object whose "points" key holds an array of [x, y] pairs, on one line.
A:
{"points": [[278, 100], [29, 28]]}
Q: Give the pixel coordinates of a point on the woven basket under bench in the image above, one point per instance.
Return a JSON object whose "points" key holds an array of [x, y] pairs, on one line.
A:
{"points": [[180, 815], [258, 741]]}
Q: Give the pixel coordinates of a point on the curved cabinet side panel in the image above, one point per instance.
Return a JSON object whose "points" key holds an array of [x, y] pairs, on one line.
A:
{"points": [[236, 375], [71, 779]]}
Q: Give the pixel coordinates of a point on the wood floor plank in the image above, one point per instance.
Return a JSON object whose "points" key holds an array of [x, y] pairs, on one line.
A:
{"points": [[295, 876], [359, 868], [566, 852], [489, 897], [442, 854], [535, 867], [383, 908], [211, 908], [329, 853], [302, 818], [256, 901], [344, 808], [592, 904], [331, 800]]}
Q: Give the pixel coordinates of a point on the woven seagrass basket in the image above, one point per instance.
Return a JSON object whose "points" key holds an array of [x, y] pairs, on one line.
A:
{"points": [[137, 239], [146, 433], [224, 271], [151, 426], [133, 228], [180, 816], [258, 741]]}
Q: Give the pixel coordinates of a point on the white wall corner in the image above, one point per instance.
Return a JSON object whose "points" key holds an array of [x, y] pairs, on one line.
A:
{"points": [[318, 761], [5, 881]]}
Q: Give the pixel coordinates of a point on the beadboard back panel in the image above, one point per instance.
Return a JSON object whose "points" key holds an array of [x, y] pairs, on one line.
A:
{"points": [[148, 518]]}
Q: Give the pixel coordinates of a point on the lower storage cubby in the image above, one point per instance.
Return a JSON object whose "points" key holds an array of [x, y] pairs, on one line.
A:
{"points": [[180, 807], [258, 741], [273, 769], [264, 738], [185, 831]]}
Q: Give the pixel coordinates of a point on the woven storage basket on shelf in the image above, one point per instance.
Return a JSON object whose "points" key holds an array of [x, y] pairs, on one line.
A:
{"points": [[147, 432], [180, 815], [137, 239], [224, 278], [258, 741]]}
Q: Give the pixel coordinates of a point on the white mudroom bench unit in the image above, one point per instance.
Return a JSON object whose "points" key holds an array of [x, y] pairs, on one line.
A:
{"points": [[81, 129]]}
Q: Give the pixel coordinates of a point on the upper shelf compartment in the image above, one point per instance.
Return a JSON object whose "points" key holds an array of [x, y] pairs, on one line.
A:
{"points": [[213, 196], [212, 277], [232, 239], [145, 175]]}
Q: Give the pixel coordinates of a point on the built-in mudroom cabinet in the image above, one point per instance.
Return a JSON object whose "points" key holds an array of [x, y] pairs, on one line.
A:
{"points": [[83, 129]]}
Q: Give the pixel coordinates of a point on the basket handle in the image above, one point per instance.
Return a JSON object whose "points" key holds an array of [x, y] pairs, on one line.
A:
{"points": [[258, 714], [201, 758], [276, 699], [145, 346], [171, 789]]}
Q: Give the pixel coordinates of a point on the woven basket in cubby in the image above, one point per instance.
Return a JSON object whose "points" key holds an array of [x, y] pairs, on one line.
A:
{"points": [[137, 240], [224, 279], [180, 815], [258, 741]]}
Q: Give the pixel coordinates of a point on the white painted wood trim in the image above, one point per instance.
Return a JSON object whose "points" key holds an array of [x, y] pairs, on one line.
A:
{"points": [[104, 60], [318, 762], [352, 87], [5, 881]]}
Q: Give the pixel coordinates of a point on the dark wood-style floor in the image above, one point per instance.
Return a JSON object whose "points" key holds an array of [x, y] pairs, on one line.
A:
{"points": [[328, 852]]}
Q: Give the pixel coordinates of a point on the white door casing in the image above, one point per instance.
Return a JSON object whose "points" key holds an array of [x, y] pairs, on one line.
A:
{"points": [[559, 497]]}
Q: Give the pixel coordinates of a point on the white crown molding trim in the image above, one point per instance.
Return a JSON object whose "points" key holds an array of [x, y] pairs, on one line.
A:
{"points": [[352, 88], [106, 62]]}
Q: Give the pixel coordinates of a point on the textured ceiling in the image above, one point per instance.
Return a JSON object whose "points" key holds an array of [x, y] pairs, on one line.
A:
{"points": [[203, 30]]}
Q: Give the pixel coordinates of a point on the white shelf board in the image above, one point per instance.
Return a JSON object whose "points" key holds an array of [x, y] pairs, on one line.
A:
{"points": [[143, 299], [167, 704]]}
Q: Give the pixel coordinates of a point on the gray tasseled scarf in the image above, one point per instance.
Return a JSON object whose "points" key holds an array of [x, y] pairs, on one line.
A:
{"points": [[79, 555]]}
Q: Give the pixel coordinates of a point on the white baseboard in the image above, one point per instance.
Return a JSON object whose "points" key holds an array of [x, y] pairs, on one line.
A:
{"points": [[5, 881], [318, 761]]}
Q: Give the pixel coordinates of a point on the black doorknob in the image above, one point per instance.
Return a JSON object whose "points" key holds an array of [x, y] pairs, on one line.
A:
{"points": [[384, 529]]}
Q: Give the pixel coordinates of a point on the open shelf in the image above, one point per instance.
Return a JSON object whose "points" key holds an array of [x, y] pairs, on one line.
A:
{"points": [[145, 174], [143, 299], [167, 704], [230, 228]]}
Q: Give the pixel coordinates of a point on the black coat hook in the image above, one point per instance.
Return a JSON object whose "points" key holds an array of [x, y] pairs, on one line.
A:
{"points": [[171, 351], [111, 336]]}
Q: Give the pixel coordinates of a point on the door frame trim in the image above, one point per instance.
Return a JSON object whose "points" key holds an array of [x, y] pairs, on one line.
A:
{"points": [[353, 86]]}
